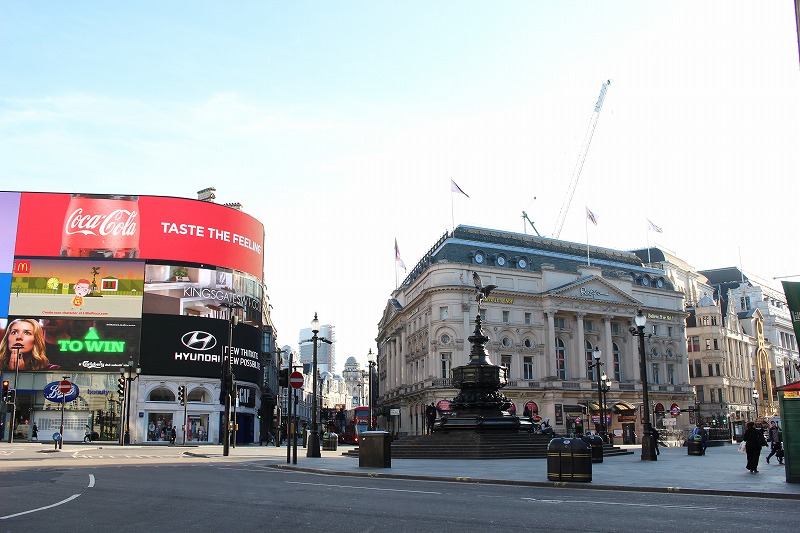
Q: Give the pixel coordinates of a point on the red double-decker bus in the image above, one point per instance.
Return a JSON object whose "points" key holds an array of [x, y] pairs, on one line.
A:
{"points": [[356, 422]]}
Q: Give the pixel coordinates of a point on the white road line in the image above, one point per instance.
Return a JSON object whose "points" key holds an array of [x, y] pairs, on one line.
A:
{"points": [[62, 502], [592, 502], [360, 487]]}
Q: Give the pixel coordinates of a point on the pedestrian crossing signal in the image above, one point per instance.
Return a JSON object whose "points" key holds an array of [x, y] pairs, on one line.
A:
{"points": [[5, 389], [121, 387], [182, 394]]}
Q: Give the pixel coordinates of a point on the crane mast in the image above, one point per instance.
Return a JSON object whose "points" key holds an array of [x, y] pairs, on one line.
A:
{"points": [[576, 172]]}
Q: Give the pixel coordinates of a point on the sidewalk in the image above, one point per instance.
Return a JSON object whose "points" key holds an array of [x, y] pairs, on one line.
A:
{"points": [[721, 471]]}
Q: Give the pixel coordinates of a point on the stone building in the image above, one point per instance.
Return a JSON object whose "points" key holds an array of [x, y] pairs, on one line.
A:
{"points": [[551, 309]]}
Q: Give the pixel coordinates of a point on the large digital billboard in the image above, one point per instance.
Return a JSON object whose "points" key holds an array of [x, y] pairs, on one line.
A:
{"points": [[9, 212], [77, 288], [195, 346], [145, 227], [74, 344], [174, 289]]}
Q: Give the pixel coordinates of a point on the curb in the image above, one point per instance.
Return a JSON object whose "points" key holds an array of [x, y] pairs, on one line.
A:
{"points": [[547, 484]]}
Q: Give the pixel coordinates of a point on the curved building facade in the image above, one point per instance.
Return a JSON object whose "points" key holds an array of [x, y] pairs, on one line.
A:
{"points": [[108, 283]]}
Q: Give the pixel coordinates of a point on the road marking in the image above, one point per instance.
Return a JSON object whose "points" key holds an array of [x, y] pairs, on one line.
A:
{"points": [[592, 502], [360, 487], [62, 502]]}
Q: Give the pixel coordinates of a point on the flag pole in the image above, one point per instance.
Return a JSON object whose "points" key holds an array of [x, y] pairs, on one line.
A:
{"points": [[648, 243], [452, 215], [586, 223]]}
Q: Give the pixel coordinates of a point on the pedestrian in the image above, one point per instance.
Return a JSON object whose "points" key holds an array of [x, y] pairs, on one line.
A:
{"points": [[701, 431], [173, 435], [776, 442], [430, 417], [35, 433], [754, 440], [87, 434]]}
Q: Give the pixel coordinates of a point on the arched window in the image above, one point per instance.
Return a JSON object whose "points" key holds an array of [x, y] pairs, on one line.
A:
{"points": [[617, 364], [161, 394], [561, 360], [589, 361], [200, 395]]}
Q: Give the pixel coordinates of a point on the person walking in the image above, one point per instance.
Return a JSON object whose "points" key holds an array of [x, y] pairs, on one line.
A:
{"points": [[173, 435], [754, 440], [87, 434], [430, 417], [701, 431], [35, 433], [775, 439]]}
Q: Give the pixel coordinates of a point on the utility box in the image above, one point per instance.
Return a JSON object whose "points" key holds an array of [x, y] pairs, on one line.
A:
{"points": [[569, 460], [374, 449], [789, 403]]}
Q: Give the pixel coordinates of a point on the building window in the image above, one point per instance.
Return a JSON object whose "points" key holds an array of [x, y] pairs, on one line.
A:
{"points": [[560, 323], [506, 342], [721, 396], [505, 317], [671, 374], [708, 344], [589, 361], [705, 320], [615, 329], [691, 371], [713, 396], [716, 344], [561, 360], [443, 313], [505, 362], [447, 364], [698, 369], [656, 374], [527, 367], [655, 329], [528, 343], [713, 321], [700, 394], [617, 365], [669, 331], [710, 369], [445, 339], [693, 344], [588, 325], [717, 367], [527, 319]]}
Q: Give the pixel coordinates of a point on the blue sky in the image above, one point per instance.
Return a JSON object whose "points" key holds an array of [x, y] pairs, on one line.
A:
{"points": [[339, 126]]}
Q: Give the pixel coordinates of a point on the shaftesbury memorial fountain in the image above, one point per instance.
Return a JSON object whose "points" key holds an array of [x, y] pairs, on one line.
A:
{"points": [[480, 408]]}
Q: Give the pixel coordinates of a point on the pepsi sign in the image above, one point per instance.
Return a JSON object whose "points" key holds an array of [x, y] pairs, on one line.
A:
{"points": [[52, 394]]}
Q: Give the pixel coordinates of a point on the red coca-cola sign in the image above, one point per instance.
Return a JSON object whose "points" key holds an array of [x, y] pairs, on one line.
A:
{"points": [[147, 227], [101, 226]]}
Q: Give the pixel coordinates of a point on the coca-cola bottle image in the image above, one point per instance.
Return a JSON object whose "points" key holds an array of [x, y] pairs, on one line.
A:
{"points": [[100, 225]]}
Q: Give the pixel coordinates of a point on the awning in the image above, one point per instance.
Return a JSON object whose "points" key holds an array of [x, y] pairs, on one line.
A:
{"points": [[622, 407]]}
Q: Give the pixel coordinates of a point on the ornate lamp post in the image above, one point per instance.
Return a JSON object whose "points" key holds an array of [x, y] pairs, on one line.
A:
{"points": [[597, 366], [648, 439], [131, 374], [313, 438], [755, 400], [605, 386], [372, 364]]}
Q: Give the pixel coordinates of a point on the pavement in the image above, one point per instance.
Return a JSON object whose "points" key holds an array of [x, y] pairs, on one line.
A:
{"points": [[720, 472]]}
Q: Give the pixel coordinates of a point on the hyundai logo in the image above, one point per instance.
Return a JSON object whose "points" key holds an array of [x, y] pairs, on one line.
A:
{"points": [[199, 340]]}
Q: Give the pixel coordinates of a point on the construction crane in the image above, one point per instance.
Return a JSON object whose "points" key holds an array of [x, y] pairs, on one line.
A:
{"points": [[576, 172], [525, 216]]}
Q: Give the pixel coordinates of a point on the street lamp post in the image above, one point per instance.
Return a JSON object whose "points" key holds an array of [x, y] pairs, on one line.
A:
{"points": [[648, 439], [605, 386], [313, 438], [597, 366], [130, 373], [755, 400], [371, 363]]}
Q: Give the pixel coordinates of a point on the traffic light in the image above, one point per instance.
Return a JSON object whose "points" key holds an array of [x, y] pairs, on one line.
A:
{"points": [[182, 394], [121, 387], [283, 377], [5, 389]]}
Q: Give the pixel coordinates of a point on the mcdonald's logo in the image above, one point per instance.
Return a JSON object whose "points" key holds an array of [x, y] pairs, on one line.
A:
{"points": [[22, 267]]}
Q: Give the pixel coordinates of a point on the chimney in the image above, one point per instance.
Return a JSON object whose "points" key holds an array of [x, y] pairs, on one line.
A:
{"points": [[207, 195]]}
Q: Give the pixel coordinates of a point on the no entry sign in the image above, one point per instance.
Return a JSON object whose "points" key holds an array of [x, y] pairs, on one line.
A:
{"points": [[296, 380], [64, 386]]}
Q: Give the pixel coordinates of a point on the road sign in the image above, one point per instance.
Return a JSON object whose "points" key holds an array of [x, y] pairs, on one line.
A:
{"points": [[64, 386], [296, 380]]}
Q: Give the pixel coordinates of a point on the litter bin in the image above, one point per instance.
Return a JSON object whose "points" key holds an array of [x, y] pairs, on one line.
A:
{"points": [[374, 449], [330, 441], [596, 446], [569, 460], [694, 445]]}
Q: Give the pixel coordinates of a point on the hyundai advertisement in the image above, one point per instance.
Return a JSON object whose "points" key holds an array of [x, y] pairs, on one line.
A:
{"points": [[195, 347]]}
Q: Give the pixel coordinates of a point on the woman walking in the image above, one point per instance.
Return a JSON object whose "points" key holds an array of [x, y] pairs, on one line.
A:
{"points": [[754, 440]]}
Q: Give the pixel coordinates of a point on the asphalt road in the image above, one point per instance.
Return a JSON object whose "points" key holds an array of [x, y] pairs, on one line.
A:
{"points": [[168, 492]]}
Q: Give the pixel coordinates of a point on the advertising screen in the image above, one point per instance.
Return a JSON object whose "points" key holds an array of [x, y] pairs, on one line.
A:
{"points": [[204, 292], [194, 346], [9, 211], [145, 227], [74, 344], [77, 288]]}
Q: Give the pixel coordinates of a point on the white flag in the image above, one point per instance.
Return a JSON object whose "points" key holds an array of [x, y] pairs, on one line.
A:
{"points": [[591, 216], [654, 227], [455, 188], [397, 256]]}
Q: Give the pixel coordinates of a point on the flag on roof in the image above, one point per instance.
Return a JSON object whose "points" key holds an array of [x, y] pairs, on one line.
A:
{"points": [[654, 227], [397, 256], [455, 188], [591, 216]]}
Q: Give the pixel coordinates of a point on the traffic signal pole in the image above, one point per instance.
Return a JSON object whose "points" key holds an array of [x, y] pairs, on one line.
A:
{"points": [[290, 418]]}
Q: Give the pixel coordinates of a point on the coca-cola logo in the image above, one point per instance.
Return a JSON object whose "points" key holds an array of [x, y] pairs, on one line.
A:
{"points": [[117, 222]]}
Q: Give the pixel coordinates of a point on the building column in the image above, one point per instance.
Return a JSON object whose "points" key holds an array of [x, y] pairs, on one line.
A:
{"points": [[550, 344], [608, 347], [580, 341]]}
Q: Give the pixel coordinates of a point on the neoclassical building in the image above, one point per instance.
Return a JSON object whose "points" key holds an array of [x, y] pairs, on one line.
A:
{"points": [[551, 309]]}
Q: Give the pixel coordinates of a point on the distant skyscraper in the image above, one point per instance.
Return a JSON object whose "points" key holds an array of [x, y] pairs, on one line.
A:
{"points": [[326, 358]]}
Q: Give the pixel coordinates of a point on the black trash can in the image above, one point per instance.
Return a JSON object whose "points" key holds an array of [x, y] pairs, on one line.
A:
{"points": [[374, 449], [330, 441], [569, 460], [694, 445], [596, 446]]}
